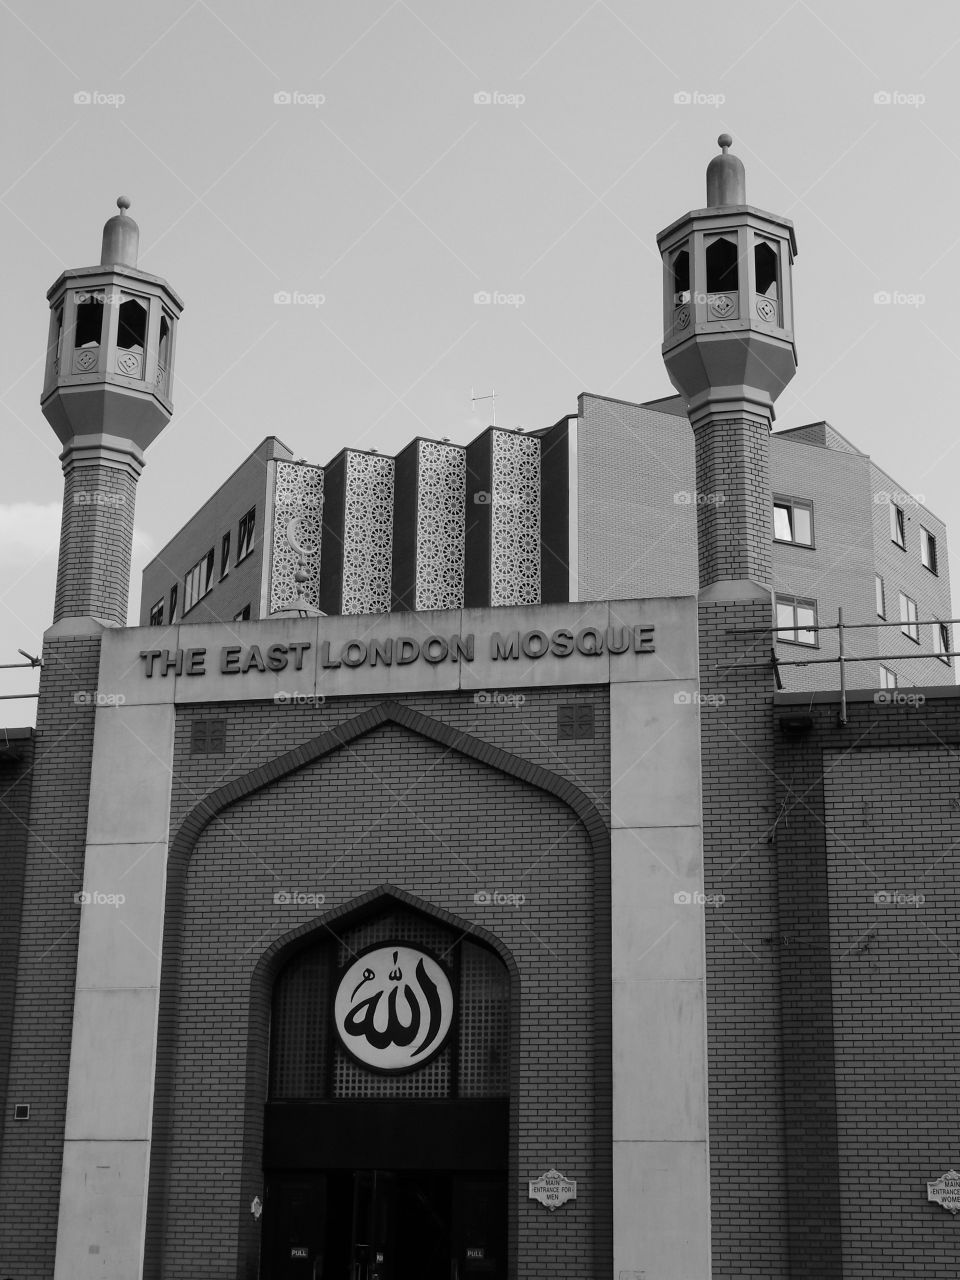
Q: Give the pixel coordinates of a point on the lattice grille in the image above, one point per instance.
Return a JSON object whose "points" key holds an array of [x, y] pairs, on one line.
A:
{"points": [[515, 519], [297, 524], [301, 1027], [441, 507], [484, 1058], [367, 534]]}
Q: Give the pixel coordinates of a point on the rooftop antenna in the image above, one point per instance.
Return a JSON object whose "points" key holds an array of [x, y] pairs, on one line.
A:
{"points": [[492, 397]]}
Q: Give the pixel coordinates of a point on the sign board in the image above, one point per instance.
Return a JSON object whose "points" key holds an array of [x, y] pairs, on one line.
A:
{"points": [[394, 1007], [475, 1253], [299, 1251], [945, 1191], [552, 1189]]}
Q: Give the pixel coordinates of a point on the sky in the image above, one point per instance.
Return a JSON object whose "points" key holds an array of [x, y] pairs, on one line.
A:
{"points": [[383, 162]]}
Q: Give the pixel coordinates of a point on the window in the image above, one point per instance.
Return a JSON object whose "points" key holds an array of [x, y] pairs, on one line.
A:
{"points": [[765, 264], [928, 550], [156, 614], [681, 278], [89, 321], [796, 619], [722, 274], [881, 601], [908, 618], [225, 555], [944, 646], [888, 678], [793, 521], [243, 615], [198, 581], [245, 534], [897, 526], [132, 325], [173, 604]]}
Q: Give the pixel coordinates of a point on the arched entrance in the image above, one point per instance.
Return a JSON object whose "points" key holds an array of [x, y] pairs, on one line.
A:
{"points": [[386, 1127]]}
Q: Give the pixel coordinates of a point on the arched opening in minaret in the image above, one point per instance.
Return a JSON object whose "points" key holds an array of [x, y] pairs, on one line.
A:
{"points": [[89, 326], [766, 264], [722, 272], [681, 278], [132, 326]]}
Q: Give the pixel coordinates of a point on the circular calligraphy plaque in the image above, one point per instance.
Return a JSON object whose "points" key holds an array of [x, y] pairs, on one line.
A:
{"points": [[394, 1008]]}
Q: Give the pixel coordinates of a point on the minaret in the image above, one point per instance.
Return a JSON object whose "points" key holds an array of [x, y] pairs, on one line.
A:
{"points": [[107, 394], [729, 350]]}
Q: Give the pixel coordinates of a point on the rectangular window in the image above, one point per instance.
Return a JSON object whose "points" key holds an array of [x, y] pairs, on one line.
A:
{"points": [[908, 618], [173, 604], [245, 532], [225, 555], [888, 678], [243, 615], [793, 521], [881, 600], [156, 614], [198, 581], [796, 619], [898, 528], [944, 646], [928, 550]]}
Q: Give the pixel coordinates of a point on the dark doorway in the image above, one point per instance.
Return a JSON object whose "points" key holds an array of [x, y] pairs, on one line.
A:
{"points": [[377, 1224]]}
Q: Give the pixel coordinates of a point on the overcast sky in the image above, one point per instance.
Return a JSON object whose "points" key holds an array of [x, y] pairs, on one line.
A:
{"points": [[433, 150]]}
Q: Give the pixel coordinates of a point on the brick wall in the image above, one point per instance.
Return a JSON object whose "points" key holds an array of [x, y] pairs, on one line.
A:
{"points": [[32, 1151], [733, 499], [393, 807], [871, 808], [16, 765], [96, 539]]}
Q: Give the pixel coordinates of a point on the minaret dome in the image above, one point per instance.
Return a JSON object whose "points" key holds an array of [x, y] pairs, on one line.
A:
{"points": [[726, 177]]}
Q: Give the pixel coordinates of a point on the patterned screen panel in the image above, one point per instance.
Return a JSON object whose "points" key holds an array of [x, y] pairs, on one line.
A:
{"points": [[367, 534], [441, 499], [297, 523], [515, 519]]}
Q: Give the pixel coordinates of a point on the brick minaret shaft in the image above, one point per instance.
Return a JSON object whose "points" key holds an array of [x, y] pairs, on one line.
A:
{"points": [[96, 534], [107, 394], [733, 498]]}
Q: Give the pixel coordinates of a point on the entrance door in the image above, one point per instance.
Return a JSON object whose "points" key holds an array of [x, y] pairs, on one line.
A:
{"points": [[377, 1224]]}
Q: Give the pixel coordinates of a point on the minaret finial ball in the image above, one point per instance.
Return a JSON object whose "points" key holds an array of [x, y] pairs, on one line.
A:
{"points": [[726, 178], [123, 204]]}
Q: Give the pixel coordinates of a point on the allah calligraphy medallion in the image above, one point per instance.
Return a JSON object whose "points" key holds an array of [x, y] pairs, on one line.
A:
{"points": [[394, 1008]]}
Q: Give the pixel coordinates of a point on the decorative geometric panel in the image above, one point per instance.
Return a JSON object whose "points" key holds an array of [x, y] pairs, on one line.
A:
{"points": [[515, 519], [297, 522], [130, 364], [441, 508], [367, 534], [300, 1028]]}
